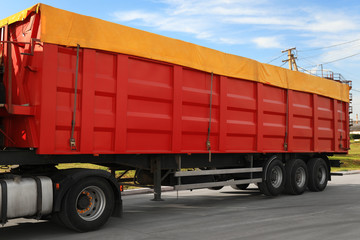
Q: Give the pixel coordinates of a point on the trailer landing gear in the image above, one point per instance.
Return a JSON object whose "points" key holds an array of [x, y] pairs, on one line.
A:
{"points": [[156, 168]]}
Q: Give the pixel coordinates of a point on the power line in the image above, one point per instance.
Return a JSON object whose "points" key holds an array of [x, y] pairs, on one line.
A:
{"points": [[342, 58], [309, 62], [276, 58], [335, 45], [317, 55], [305, 70], [313, 64], [339, 59], [306, 57], [283, 64]]}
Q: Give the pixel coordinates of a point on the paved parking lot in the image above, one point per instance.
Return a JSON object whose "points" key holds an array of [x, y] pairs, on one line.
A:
{"points": [[224, 214]]}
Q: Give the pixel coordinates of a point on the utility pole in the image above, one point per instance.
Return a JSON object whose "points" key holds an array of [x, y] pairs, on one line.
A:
{"points": [[322, 70], [291, 59]]}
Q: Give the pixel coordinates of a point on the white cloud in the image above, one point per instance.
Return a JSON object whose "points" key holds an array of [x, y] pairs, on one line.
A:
{"points": [[267, 42], [255, 22], [314, 23], [165, 23], [134, 15], [231, 41]]}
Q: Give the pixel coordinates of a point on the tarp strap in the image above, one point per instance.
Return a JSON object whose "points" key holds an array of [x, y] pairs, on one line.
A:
{"points": [[72, 139], [208, 143], [286, 121]]}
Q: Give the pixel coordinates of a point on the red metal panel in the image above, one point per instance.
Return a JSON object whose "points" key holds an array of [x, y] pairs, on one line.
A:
{"points": [[128, 104], [259, 116], [65, 93], [149, 109], [48, 100], [336, 125], [347, 126], [290, 141], [196, 111], [315, 123], [241, 116], [274, 100], [223, 113], [105, 102], [177, 109], [302, 122], [121, 103], [325, 124], [342, 126], [87, 123]]}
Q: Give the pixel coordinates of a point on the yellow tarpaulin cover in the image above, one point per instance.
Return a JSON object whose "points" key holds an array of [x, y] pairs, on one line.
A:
{"points": [[69, 29], [19, 16]]}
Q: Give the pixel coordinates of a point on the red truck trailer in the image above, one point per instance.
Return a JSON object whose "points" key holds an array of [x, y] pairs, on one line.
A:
{"points": [[76, 89]]}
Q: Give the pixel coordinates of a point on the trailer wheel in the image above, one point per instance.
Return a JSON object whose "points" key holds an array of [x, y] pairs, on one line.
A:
{"points": [[318, 174], [87, 205], [273, 179], [296, 177], [240, 186]]}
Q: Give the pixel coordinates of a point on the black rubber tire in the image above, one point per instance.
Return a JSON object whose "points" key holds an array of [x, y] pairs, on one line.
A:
{"points": [[296, 177], [241, 186], [69, 215], [318, 174], [215, 188], [55, 218], [275, 179]]}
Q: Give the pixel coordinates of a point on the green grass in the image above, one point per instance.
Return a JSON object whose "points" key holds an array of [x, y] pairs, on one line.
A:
{"points": [[129, 174], [80, 165], [351, 161]]}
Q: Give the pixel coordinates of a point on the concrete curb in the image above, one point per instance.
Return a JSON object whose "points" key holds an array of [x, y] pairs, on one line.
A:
{"points": [[145, 190], [343, 173]]}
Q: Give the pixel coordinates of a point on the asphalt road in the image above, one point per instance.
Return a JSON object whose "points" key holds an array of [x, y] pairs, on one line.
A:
{"points": [[224, 214]]}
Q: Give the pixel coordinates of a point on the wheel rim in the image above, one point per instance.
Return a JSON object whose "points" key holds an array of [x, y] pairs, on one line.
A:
{"points": [[300, 177], [90, 203], [276, 177], [322, 175]]}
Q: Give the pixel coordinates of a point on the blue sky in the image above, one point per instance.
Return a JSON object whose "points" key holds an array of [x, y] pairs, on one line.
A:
{"points": [[258, 29]]}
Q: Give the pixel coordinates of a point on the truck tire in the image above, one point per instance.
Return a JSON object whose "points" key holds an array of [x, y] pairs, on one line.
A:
{"points": [[273, 179], [240, 186], [87, 205], [318, 174], [296, 177]]}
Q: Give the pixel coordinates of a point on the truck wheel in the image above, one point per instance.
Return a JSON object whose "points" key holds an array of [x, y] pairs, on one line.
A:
{"points": [[240, 186], [318, 174], [273, 179], [215, 188], [296, 177], [87, 205]]}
